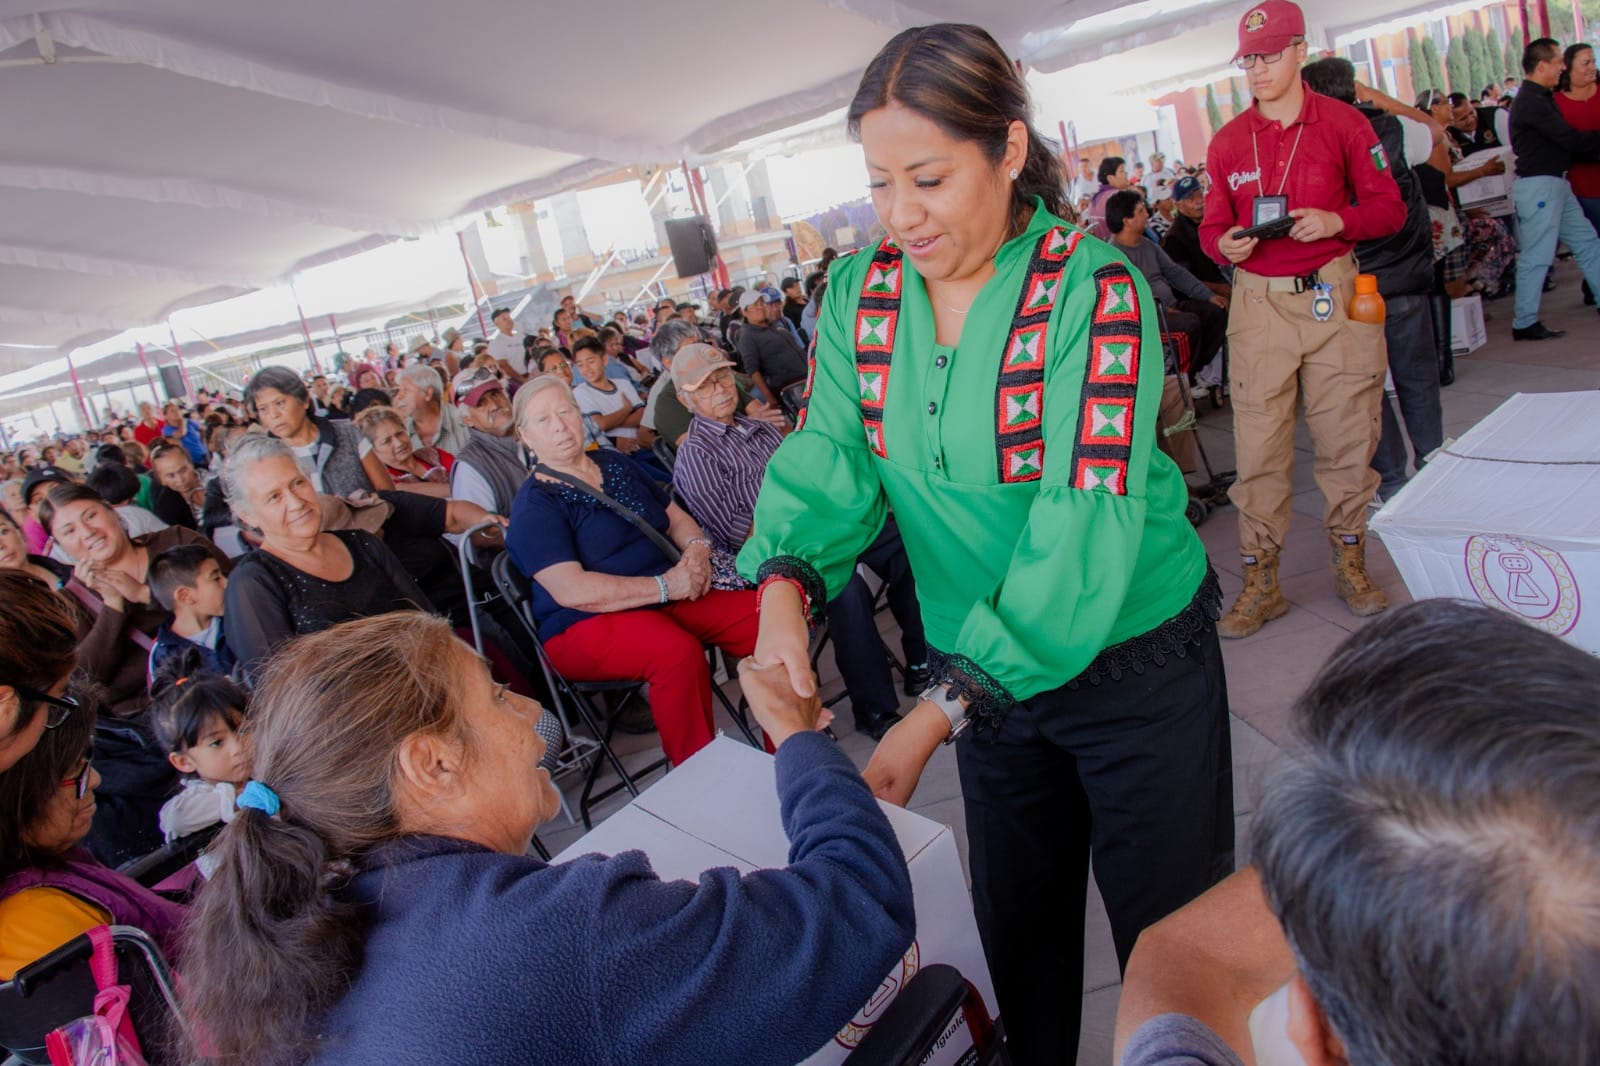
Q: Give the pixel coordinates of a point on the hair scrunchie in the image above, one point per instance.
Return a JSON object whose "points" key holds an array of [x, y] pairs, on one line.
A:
{"points": [[258, 797]]}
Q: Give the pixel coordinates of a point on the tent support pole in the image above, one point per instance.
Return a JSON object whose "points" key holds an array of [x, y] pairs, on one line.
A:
{"points": [[472, 280], [77, 387], [149, 377], [183, 369]]}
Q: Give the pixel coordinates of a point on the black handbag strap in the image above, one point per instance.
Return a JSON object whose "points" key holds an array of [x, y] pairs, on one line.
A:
{"points": [[669, 549]]}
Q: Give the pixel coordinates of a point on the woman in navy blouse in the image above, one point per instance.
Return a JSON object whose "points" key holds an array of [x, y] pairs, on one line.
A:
{"points": [[609, 603]]}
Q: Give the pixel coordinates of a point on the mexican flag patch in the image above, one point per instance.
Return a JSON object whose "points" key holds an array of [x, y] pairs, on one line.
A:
{"points": [[1379, 159]]}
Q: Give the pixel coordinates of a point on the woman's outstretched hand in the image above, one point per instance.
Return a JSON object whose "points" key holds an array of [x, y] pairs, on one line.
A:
{"points": [[784, 638], [900, 757]]}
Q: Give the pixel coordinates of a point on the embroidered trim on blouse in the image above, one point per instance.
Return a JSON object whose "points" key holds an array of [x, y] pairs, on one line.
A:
{"points": [[811, 382], [1103, 443], [877, 315], [797, 569], [989, 702], [1174, 637], [1019, 390]]}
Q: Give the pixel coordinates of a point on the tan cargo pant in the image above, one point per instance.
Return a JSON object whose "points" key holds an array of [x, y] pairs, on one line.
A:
{"points": [[1279, 357]]}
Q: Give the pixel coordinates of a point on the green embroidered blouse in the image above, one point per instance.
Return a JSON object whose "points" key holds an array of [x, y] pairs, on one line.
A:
{"points": [[1042, 523]]}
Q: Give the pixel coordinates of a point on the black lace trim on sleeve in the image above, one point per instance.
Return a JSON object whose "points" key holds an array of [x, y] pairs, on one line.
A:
{"points": [[1174, 637], [988, 701], [796, 568]]}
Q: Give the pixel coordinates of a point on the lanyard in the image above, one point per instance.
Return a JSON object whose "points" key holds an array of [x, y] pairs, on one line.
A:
{"points": [[1255, 148]]}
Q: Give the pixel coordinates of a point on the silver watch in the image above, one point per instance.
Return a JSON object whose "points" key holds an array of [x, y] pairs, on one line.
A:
{"points": [[939, 696]]}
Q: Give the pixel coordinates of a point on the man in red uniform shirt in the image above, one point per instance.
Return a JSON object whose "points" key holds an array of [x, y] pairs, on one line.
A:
{"points": [[1316, 166]]}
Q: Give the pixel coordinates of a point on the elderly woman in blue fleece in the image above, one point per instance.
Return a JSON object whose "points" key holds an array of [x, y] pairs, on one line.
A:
{"points": [[374, 902]]}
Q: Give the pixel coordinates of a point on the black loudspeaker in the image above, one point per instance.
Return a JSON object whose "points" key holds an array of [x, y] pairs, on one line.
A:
{"points": [[694, 246], [172, 381]]}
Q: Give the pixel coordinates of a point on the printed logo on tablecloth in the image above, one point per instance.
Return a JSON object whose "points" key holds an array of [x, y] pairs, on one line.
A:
{"points": [[1524, 578], [857, 1028]]}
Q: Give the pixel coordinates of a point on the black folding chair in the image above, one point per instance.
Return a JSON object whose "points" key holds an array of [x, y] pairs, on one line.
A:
{"points": [[59, 987], [792, 397], [667, 452], [579, 696]]}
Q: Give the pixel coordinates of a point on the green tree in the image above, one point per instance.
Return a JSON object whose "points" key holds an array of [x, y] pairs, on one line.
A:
{"points": [[1458, 67], [1213, 110], [1421, 80], [1513, 61], [1430, 55], [1495, 53], [1240, 104], [1480, 67]]}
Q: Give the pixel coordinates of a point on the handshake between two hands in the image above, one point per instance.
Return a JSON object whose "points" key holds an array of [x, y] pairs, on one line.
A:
{"points": [[899, 759]]}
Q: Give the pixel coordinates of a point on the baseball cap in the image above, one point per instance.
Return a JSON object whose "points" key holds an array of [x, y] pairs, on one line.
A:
{"points": [[39, 475], [1270, 27], [694, 363], [1186, 187], [473, 385], [771, 295], [750, 296]]}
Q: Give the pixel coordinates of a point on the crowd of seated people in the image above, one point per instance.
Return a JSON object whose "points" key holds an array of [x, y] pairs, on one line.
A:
{"points": [[151, 572]]}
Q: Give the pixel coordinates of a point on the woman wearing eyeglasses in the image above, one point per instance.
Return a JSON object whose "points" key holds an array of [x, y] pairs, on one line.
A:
{"points": [[51, 890]]}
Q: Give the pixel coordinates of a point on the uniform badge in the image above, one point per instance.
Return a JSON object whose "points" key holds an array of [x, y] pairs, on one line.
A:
{"points": [[1322, 302]]}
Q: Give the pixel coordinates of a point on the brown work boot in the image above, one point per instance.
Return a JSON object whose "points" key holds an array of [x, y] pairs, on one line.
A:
{"points": [[1261, 600], [1350, 578]]}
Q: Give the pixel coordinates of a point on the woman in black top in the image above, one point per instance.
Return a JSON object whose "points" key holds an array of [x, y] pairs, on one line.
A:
{"points": [[303, 578]]}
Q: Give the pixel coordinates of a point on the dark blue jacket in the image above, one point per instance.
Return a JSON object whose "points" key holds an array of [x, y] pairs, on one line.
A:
{"points": [[475, 956]]}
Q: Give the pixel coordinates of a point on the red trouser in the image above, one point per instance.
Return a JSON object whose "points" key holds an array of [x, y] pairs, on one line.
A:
{"points": [[665, 647]]}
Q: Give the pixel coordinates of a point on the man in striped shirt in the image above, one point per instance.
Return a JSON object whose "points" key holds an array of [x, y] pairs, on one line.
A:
{"points": [[720, 465]]}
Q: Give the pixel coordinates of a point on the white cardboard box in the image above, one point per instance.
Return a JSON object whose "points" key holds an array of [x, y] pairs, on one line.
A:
{"points": [[1492, 193], [1468, 331], [1510, 515], [720, 808]]}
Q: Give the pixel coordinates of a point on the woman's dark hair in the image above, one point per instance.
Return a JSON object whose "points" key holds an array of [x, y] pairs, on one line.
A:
{"points": [[1572, 52], [114, 483], [272, 943], [29, 787], [368, 397], [960, 79], [279, 378], [61, 495], [1109, 167], [38, 635], [185, 696], [111, 453], [1120, 207]]}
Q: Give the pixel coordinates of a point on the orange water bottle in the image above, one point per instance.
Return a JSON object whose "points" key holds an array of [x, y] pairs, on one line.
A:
{"points": [[1366, 305]]}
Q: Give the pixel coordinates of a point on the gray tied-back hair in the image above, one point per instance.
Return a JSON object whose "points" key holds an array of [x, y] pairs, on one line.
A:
{"points": [[243, 453], [425, 377]]}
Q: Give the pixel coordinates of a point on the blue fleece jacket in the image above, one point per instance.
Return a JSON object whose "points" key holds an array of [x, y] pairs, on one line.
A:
{"points": [[475, 956]]}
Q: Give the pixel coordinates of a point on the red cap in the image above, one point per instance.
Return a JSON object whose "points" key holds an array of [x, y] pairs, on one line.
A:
{"points": [[1270, 27]]}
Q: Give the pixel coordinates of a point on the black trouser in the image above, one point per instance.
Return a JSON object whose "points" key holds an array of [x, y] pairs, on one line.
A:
{"points": [[857, 646], [1206, 325], [1414, 368], [1140, 771]]}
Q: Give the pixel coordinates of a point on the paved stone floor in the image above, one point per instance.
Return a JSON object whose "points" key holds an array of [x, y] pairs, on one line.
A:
{"points": [[1267, 671]]}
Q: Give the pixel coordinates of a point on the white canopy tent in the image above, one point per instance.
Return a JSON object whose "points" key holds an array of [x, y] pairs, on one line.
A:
{"points": [[163, 154]]}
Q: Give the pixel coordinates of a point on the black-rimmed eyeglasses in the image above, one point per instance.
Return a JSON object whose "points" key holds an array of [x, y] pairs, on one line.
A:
{"points": [[61, 707]]}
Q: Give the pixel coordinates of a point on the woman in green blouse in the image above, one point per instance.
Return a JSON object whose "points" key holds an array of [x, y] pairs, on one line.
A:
{"points": [[992, 374]]}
